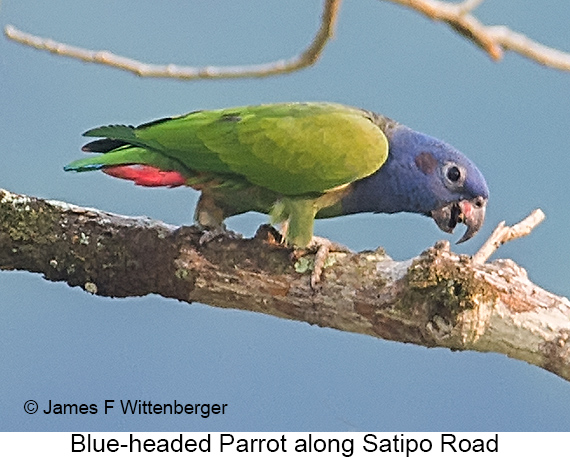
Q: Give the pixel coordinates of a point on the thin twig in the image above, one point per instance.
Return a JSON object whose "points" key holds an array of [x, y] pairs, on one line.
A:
{"points": [[305, 59], [494, 40], [503, 234], [469, 5], [517, 42]]}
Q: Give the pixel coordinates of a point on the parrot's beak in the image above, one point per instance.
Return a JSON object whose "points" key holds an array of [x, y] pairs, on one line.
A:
{"points": [[469, 212]]}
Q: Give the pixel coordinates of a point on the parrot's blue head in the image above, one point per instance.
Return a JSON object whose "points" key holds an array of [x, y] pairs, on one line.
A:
{"points": [[423, 175]]}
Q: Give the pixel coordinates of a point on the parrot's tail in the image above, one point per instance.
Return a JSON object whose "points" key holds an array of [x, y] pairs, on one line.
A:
{"points": [[144, 167]]}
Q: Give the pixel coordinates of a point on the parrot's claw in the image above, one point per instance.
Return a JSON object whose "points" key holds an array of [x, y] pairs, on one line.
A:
{"points": [[211, 234], [322, 247]]}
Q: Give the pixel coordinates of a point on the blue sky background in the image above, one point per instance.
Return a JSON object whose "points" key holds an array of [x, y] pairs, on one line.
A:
{"points": [[63, 344]]}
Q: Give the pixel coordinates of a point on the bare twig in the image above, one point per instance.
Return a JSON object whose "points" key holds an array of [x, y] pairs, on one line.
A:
{"points": [[503, 234], [305, 59], [494, 40]]}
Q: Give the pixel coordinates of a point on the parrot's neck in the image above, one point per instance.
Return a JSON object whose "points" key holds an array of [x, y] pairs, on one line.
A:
{"points": [[398, 185]]}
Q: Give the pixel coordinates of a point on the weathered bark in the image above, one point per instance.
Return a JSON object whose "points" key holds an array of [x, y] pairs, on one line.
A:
{"points": [[436, 299]]}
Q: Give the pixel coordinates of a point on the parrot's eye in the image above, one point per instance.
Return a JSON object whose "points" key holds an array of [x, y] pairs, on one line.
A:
{"points": [[453, 174]]}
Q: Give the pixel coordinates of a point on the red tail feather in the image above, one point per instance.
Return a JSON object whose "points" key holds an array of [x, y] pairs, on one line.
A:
{"points": [[145, 175]]}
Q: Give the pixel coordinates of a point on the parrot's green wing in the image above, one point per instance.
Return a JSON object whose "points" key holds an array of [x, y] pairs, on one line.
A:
{"points": [[291, 149]]}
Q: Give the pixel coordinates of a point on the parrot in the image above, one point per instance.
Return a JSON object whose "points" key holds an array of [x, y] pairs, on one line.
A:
{"points": [[296, 162]]}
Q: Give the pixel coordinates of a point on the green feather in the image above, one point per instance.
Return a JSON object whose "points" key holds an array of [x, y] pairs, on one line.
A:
{"points": [[117, 132], [292, 149], [126, 155], [291, 160]]}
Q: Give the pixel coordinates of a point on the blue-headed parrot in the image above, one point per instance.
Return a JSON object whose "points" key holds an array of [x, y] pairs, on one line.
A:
{"points": [[295, 162]]}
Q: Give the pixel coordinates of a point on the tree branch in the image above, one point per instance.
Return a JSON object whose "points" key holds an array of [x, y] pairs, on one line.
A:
{"points": [[494, 40], [436, 299], [305, 59]]}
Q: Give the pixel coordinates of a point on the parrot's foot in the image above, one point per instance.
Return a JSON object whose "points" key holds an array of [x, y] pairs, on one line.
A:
{"points": [[322, 247], [211, 234]]}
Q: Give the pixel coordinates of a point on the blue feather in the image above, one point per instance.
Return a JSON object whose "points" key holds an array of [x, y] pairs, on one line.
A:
{"points": [[403, 183]]}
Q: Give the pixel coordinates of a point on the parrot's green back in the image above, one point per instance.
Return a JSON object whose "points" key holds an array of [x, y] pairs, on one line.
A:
{"points": [[285, 158]]}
